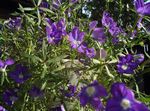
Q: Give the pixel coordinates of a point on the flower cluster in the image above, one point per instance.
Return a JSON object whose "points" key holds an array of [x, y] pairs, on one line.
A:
{"points": [[55, 31], [76, 39], [78, 52], [113, 29], [127, 64]]}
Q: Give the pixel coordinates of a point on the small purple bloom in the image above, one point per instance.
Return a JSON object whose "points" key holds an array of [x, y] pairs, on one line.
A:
{"points": [[127, 64], [108, 22], [35, 92], [2, 108], [141, 7], [4, 64], [56, 3], [71, 91], [55, 31], [82, 48], [139, 58], [91, 94], [15, 23], [90, 52], [98, 34], [10, 96], [20, 74], [9, 62], [123, 99], [93, 25], [44, 4], [76, 37]]}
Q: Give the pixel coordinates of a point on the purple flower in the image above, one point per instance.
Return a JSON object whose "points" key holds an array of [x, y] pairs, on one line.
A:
{"points": [[127, 64], [35, 92], [76, 37], [92, 25], [20, 74], [70, 92], [59, 108], [98, 34], [123, 100], [141, 7], [108, 22], [56, 3], [44, 4], [10, 96], [82, 47], [7, 62], [91, 94], [139, 58], [15, 23], [55, 31], [2, 108], [89, 52]]}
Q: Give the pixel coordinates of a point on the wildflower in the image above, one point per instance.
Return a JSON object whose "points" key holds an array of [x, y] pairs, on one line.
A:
{"points": [[55, 31], [15, 23], [44, 4], [139, 58], [123, 99], [98, 34], [10, 96], [2, 109], [127, 64], [92, 25], [20, 74], [76, 37], [89, 52], [108, 22], [4, 64], [143, 8], [91, 94], [35, 92], [56, 3], [71, 91]]}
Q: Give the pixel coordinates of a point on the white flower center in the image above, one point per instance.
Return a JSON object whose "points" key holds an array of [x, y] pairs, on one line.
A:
{"points": [[124, 67], [125, 103], [90, 90], [77, 42], [20, 76]]}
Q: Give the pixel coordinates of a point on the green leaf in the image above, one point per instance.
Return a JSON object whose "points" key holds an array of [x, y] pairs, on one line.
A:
{"points": [[108, 72], [56, 59]]}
